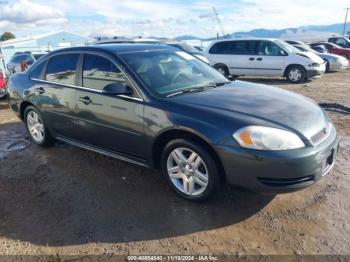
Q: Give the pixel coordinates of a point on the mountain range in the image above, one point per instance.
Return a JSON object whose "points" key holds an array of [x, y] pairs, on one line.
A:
{"points": [[302, 32]]}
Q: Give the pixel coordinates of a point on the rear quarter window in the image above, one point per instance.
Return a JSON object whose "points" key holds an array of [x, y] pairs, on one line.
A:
{"points": [[221, 48]]}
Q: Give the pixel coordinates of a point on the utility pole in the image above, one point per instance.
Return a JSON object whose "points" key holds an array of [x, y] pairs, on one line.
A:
{"points": [[346, 20], [218, 20]]}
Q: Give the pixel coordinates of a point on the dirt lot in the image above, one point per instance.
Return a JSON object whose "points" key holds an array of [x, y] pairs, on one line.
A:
{"points": [[65, 200]]}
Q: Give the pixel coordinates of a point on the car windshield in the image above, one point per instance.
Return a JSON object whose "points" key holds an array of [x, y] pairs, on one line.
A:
{"points": [[289, 48], [172, 72], [305, 48]]}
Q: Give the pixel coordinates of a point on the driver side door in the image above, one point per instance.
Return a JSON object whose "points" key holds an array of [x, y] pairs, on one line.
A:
{"points": [[113, 123]]}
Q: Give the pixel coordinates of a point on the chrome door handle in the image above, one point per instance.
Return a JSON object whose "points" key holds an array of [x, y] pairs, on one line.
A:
{"points": [[40, 90], [86, 100]]}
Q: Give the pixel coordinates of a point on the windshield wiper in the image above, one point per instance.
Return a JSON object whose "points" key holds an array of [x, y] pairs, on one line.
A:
{"points": [[218, 84], [192, 89], [199, 88]]}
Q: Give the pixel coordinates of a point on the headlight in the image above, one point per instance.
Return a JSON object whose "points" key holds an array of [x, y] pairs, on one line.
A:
{"points": [[267, 138], [314, 65]]}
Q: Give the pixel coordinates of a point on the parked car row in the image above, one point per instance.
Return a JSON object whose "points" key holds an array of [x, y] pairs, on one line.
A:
{"points": [[157, 106], [333, 62]]}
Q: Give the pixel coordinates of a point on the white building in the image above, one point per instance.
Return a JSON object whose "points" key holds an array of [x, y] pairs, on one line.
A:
{"points": [[40, 43]]}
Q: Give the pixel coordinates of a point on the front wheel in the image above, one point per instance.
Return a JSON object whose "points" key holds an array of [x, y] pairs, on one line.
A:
{"points": [[36, 127], [222, 69], [190, 169], [296, 74], [327, 66]]}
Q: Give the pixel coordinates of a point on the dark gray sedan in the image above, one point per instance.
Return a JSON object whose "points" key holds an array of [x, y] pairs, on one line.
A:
{"points": [[160, 107]]}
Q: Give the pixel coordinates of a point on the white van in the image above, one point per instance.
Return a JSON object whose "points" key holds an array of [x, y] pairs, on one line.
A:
{"points": [[264, 57]]}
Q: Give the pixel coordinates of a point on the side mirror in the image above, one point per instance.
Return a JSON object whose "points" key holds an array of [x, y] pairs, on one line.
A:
{"points": [[283, 53], [115, 89]]}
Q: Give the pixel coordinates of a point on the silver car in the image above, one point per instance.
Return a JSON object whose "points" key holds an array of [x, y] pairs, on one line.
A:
{"points": [[333, 62]]}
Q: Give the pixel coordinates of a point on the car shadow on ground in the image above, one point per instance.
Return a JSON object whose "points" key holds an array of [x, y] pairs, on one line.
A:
{"points": [[65, 196], [3, 104]]}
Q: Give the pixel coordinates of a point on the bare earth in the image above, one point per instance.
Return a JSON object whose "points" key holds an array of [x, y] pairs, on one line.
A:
{"points": [[69, 201]]}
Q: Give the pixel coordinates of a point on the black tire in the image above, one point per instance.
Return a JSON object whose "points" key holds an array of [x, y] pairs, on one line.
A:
{"points": [[209, 162], [327, 66], [47, 138], [222, 69], [296, 68]]}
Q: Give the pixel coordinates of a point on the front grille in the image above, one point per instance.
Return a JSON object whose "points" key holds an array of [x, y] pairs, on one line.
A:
{"points": [[286, 182], [320, 136]]}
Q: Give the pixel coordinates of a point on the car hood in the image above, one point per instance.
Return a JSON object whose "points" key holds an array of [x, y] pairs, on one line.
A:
{"points": [[330, 56], [270, 104], [314, 57]]}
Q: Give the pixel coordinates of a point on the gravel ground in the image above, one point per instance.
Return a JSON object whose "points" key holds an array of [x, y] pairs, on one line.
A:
{"points": [[69, 201]]}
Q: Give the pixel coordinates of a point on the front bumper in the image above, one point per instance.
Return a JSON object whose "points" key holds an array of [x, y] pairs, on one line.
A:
{"points": [[279, 171], [315, 72], [338, 65]]}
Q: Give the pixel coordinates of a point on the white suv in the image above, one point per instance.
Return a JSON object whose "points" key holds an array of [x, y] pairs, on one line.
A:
{"points": [[264, 57]]}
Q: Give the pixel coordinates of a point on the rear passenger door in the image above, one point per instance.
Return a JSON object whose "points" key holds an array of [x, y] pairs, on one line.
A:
{"points": [[55, 92], [114, 123]]}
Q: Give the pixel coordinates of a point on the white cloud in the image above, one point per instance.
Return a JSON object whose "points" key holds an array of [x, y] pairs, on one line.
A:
{"points": [[168, 17], [27, 14]]}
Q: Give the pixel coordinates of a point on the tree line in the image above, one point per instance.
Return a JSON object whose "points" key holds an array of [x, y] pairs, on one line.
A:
{"points": [[7, 36]]}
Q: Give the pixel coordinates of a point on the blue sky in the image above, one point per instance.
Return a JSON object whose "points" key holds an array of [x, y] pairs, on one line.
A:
{"points": [[163, 18]]}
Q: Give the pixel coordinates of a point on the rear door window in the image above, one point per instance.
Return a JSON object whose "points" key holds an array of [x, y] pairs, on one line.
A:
{"points": [[62, 69]]}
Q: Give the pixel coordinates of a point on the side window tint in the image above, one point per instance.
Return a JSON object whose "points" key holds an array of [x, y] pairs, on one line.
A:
{"points": [[62, 69], [243, 47], [37, 71], [222, 48], [99, 72]]}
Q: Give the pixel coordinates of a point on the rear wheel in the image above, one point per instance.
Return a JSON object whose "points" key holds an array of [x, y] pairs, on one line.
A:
{"points": [[190, 169], [296, 74], [36, 127]]}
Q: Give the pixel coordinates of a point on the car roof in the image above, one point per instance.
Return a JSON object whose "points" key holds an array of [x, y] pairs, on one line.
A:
{"points": [[117, 48]]}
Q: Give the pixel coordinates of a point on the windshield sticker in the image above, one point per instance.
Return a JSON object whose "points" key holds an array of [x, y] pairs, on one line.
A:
{"points": [[185, 55]]}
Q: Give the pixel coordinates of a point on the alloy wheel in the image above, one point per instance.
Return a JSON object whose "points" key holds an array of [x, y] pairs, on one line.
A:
{"points": [[187, 171], [295, 75], [35, 126]]}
